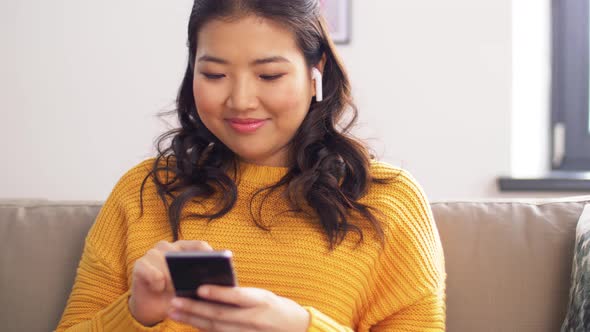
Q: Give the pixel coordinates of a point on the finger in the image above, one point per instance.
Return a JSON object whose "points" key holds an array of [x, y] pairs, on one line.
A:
{"points": [[157, 259], [237, 296], [165, 246], [147, 273], [187, 245], [203, 324], [210, 311]]}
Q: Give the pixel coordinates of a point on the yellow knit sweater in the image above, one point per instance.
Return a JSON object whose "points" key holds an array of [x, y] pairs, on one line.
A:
{"points": [[396, 287]]}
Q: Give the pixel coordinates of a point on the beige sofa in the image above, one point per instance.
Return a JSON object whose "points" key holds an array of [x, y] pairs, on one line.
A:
{"points": [[508, 263]]}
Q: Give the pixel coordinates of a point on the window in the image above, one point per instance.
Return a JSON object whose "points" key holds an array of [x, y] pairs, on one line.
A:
{"points": [[570, 111], [569, 85]]}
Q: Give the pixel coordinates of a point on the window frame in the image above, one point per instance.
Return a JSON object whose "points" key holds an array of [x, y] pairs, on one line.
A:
{"points": [[569, 132]]}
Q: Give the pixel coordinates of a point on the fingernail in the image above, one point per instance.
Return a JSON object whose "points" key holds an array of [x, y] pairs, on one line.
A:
{"points": [[176, 303], [203, 291], [175, 315]]}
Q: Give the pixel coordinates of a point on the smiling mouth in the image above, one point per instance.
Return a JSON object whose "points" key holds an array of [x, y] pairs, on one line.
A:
{"points": [[246, 126]]}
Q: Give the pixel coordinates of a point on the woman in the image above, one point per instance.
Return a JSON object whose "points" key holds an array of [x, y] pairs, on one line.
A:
{"points": [[324, 239]]}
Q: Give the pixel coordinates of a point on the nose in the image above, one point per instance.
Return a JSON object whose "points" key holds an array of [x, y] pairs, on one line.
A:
{"points": [[243, 95]]}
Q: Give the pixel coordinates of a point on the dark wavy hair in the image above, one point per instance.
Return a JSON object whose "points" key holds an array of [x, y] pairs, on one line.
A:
{"points": [[328, 169]]}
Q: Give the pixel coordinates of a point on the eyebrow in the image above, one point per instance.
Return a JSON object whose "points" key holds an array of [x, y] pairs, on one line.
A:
{"points": [[272, 59]]}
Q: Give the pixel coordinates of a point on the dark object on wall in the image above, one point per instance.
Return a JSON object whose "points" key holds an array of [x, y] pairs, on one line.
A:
{"points": [[338, 14]]}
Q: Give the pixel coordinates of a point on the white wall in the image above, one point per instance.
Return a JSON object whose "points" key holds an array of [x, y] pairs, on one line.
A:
{"points": [[433, 83], [81, 82], [531, 72]]}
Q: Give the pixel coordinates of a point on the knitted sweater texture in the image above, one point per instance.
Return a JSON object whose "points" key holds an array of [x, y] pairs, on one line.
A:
{"points": [[397, 285]]}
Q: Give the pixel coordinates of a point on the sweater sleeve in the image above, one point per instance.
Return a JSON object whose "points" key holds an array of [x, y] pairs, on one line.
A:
{"points": [[407, 291], [319, 322], [99, 297], [423, 315], [426, 314], [409, 284]]}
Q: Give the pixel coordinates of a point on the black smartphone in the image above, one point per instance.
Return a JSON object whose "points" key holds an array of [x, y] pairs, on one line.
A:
{"points": [[191, 269]]}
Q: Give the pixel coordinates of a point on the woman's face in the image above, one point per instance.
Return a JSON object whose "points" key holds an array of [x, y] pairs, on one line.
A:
{"points": [[252, 87]]}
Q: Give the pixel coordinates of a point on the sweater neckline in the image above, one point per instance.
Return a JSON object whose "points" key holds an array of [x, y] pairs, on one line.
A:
{"points": [[260, 174]]}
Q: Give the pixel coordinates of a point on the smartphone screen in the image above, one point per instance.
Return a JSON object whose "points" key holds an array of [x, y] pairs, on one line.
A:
{"points": [[191, 269]]}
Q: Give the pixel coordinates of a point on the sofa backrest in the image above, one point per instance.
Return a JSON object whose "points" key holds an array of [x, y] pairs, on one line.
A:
{"points": [[508, 263], [42, 242]]}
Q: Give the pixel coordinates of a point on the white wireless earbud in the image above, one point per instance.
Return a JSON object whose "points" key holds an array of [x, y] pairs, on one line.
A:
{"points": [[317, 77]]}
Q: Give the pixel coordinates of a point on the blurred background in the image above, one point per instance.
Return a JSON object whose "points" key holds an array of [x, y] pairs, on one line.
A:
{"points": [[458, 92]]}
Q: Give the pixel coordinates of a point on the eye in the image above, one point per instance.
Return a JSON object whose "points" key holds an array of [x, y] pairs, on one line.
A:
{"points": [[271, 77], [213, 76]]}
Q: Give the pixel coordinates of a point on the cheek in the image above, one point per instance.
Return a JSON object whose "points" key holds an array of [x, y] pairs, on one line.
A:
{"points": [[289, 99], [207, 100]]}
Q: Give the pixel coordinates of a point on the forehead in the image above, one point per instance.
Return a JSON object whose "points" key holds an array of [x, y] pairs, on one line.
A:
{"points": [[246, 38]]}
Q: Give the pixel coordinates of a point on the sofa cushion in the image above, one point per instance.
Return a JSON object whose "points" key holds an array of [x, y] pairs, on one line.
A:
{"points": [[577, 318], [508, 263], [42, 243]]}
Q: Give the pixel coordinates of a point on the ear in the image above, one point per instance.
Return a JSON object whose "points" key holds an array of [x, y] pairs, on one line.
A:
{"points": [[321, 64]]}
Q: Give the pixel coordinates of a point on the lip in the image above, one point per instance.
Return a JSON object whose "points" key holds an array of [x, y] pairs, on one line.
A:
{"points": [[246, 126]]}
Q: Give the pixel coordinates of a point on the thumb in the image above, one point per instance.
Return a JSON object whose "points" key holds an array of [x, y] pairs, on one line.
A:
{"points": [[238, 296]]}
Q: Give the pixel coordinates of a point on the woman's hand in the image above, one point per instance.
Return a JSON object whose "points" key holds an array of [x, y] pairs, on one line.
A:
{"points": [[152, 289], [247, 309]]}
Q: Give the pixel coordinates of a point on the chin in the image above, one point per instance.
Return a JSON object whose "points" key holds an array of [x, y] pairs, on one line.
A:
{"points": [[248, 155]]}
